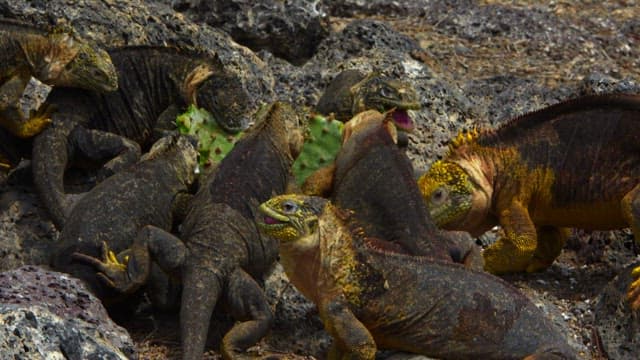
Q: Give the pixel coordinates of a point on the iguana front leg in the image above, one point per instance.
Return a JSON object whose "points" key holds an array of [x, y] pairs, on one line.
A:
{"points": [[514, 251], [352, 340], [127, 271]]}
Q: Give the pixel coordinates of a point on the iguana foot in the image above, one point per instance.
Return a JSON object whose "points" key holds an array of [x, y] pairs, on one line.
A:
{"points": [[112, 269], [503, 257], [35, 124], [32, 126], [537, 265], [633, 295]]}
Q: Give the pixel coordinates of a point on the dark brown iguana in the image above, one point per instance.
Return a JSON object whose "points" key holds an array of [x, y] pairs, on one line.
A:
{"points": [[374, 178], [369, 297], [352, 92], [154, 84], [226, 257], [574, 164], [130, 204], [54, 57]]}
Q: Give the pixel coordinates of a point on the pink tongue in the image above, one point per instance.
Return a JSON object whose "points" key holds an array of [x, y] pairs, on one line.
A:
{"points": [[269, 220], [403, 120]]}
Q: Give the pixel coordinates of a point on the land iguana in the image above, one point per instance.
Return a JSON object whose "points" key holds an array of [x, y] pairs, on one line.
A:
{"points": [[55, 57], [148, 195], [154, 84], [352, 92], [371, 297], [225, 255], [574, 164], [373, 178]]}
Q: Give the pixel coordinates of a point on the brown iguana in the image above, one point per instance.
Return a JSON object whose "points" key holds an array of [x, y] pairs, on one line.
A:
{"points": [[55, 57], [574, 164], [132, 203], [352, 92], [369, 297], [225, 255], [155, 83], [388, 203]]}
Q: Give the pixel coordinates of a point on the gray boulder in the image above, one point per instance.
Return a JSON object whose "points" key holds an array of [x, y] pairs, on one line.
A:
{"points": [[49, 315]]}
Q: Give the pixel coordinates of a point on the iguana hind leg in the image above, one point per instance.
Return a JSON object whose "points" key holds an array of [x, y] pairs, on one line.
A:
{"points": [[631, 211], [514, 251], [249, 306], [551, 240]]}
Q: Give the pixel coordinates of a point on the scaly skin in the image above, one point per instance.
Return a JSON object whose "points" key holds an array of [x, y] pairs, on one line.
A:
{"points": [[369, 297], [110, 216], [57, 58], [155, 84], [575, 164], [225, 255], [352, 92], [374, 178]]}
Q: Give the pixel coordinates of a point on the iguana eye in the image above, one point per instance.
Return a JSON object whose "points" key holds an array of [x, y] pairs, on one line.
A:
{"points": [[386, 91], [289, 207], [439, 196]]}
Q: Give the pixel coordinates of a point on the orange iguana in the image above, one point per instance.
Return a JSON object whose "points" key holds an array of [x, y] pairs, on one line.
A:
{"points": [[371, 297], [574, 164], [57, 58]]}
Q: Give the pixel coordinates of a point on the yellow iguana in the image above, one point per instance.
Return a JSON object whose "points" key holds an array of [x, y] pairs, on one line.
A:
{"points": [[574, 164]]}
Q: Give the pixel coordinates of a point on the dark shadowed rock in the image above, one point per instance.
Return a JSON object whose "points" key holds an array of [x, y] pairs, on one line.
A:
{"points": [[288, 29], [26, 236], [617, 325], [45, 314]]}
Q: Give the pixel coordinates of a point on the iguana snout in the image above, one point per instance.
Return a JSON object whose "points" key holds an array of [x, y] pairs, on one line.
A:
{"points": [[387, 94], [82, 65], [290, 217]]}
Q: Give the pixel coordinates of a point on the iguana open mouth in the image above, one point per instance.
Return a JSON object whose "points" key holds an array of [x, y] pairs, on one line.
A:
{"points": [[402, 120], [270, 221]]}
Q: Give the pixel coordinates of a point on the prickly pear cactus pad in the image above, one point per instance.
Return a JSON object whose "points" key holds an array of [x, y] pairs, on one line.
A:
{"points": [[213, 142], [320, 147]]}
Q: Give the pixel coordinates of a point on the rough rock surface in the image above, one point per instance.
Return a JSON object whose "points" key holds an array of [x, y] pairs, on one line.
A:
{"points": [[288, 29], [49, 315]]}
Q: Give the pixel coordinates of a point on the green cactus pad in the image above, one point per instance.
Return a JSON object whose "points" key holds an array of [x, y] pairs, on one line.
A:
{"points": [[320, 147], [213, 142]]}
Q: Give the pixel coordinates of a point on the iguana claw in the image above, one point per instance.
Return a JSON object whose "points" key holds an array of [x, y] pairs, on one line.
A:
{"points": [[111, 270], [633, 295]]}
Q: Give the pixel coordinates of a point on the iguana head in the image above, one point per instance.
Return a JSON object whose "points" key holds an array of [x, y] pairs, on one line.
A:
{"points": [[448, 192], [290, 218], [383, 94], [74, 62], [180, 150], [227, 100]]}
